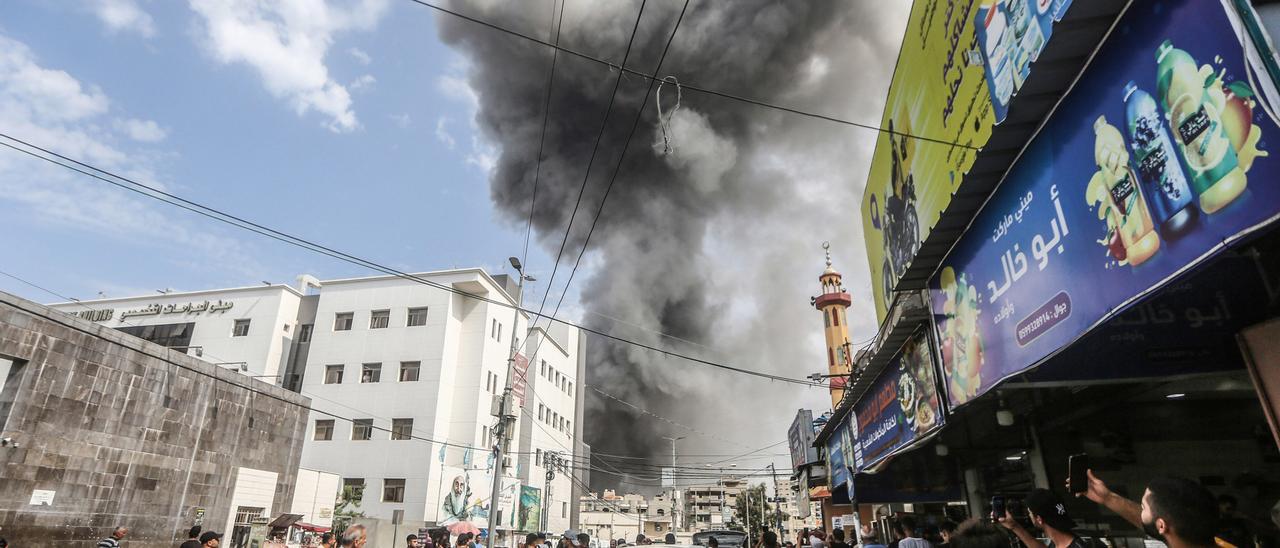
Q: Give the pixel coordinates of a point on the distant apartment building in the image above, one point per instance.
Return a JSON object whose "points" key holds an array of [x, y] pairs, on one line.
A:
{"points": [[797, 520], [712, 506], [622, 517], [402, 376]]}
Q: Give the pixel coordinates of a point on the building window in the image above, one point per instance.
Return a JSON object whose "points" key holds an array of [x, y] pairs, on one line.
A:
{"points": [[568, 427], [826, 318], [371, 372], [379, 319], [353, 486], [484, 435], [835, 317], [542, 409], [392, 490], [333, 374], [564, 509], [362, 429], [409, 371], [241, 328], [401, 429], [324, 430], [304, 333], [571, 388], [417, 317], [493, 328], [343, 321], [544, 368], [537, 457]]}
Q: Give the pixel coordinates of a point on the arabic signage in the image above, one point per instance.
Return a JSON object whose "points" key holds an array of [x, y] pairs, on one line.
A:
{"points": [[175, 308], [800, 439], [961, 63], [901, 407], [520, 376], [1142, 172], [837, 468]]}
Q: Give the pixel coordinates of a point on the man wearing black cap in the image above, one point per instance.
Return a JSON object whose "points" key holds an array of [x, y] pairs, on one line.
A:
{"points": [[1050, 515], [210, 539]]}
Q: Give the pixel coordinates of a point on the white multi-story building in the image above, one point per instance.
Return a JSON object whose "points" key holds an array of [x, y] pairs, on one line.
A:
{"points": [[402, 378]]}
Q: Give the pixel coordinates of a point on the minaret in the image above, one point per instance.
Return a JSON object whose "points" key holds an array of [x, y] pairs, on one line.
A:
{"points": [[834, 303]]}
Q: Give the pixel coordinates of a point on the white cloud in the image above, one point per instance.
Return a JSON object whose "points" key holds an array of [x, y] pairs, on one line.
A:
{"points": [[51, 108], [363, 83], [401, 119], [286, 43], [443, 135], [360, 55], [124, 16], [146, 131], [483, 154]]}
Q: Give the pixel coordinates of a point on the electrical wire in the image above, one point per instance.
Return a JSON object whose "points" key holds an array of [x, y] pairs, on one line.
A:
{"points": [[688, 86], [220, 216]]}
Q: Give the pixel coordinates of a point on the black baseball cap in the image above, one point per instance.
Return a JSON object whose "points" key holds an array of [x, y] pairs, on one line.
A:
{"points": [[1043, 503], [208, 536]]}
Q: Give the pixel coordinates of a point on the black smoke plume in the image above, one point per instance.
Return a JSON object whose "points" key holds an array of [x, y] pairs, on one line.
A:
{"points": [[717, 243]]}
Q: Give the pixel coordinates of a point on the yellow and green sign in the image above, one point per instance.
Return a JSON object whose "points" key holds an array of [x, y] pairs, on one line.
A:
{"points": [[960, 66]]}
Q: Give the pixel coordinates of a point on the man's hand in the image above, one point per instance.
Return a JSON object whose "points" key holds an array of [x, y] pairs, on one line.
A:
{"points": [[1007, 521], [1097, 490]]}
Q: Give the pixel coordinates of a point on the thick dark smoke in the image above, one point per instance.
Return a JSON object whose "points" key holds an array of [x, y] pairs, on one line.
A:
{"points": [[717, 243]]}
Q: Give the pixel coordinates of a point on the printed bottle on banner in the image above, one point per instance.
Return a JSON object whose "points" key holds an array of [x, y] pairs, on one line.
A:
{"points": [[999, 49], [1197, 126], [1163, 180], [1125, 207]]}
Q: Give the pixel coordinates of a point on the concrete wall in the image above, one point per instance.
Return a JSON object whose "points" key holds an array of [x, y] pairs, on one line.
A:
{"points": [[125, 432]]}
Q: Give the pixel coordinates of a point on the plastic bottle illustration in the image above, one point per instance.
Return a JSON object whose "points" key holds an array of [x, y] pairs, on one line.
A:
{"points": [[999, 45], [1116, 186], [1164, 182], [1196, 121]]}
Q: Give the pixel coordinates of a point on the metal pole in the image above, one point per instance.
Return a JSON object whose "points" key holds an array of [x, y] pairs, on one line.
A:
{"points": [[673, 478], [549, 460], [500, 430], [777, 499]]}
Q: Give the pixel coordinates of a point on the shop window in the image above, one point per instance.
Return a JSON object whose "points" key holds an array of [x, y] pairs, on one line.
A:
{"points": [[324, 430], [371, 372], [392, 490], [304, 333], [362, 429], [401, 429], [333, 374], [409, 371], [417, 317], [379, 319], [343, 321]]}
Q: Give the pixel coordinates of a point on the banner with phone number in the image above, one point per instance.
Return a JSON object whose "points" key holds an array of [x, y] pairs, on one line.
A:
{"points": [[1155, 161], [902, 406]]}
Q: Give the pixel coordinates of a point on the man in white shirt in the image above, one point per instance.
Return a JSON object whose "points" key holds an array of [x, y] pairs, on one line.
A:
{"points": [[907, 528]]}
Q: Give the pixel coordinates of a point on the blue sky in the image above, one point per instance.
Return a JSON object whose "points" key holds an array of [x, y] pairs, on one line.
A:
{"points": [[345, 123]]}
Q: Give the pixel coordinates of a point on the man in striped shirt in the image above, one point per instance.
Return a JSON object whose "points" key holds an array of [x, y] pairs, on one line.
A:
{"points": [[113, 541]]}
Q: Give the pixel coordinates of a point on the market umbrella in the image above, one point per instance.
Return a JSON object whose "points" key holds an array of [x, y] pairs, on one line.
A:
{"points": [[459, 527]]}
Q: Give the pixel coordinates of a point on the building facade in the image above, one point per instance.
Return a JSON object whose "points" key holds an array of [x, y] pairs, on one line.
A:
{"points": [[402, 376], [103, 429], [712, 506]]}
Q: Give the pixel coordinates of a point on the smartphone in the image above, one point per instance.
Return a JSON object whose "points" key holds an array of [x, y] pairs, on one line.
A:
{"points": [[997, 507], [1078, 473]]}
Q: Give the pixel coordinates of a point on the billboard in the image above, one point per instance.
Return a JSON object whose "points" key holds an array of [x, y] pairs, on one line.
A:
{"points": [[901, 407], [519, 377], [1142, 172], [530, 512], [960, 65], [800, 439]]}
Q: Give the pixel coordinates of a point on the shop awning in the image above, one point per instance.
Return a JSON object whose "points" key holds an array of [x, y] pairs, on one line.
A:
{"points": [[312, 528]]}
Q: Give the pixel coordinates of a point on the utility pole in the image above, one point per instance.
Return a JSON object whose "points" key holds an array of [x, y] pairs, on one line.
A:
{"points": [[551, 460], [777, 499], [674, 512], [505, 413]]}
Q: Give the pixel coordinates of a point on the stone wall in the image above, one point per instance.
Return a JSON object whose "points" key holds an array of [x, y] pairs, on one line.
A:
{"points": [[126, 432]]}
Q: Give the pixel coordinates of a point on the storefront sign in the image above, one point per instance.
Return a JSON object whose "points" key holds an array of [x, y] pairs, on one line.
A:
{"points": [[838, 471], [800, 439], [174, 308], [41, 497], [102, 315], [1142, 172], [901, 407], [960, 65]]}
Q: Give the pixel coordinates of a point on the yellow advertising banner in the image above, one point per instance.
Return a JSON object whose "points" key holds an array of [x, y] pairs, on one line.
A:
{"points": [[961, 63]]}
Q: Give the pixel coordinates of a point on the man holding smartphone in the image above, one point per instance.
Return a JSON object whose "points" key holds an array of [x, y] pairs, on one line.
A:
{"points": [[1176, 511], [1048, 514]]}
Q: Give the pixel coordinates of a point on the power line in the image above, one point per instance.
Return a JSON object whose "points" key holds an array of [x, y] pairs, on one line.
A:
{"points": [[220, 216], [692, 87], [586, 176], [546, 115]]}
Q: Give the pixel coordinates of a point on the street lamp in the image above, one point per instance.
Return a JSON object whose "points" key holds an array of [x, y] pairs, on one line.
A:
{"points": [[673, 477]]}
